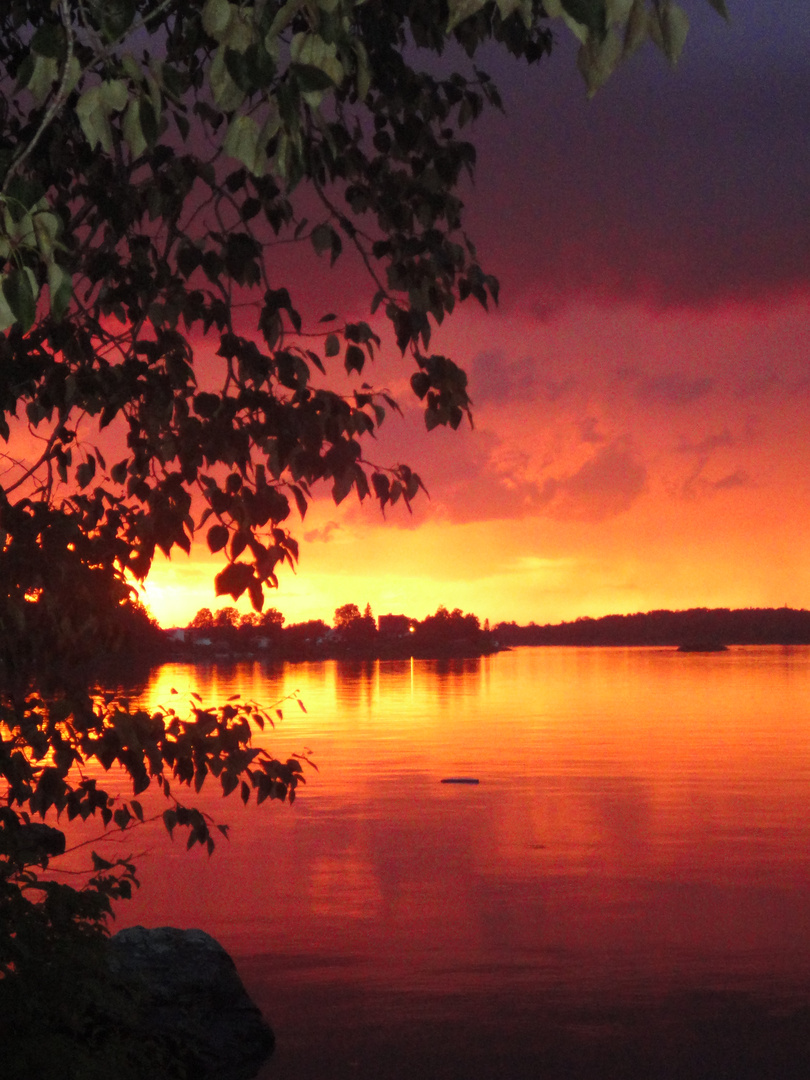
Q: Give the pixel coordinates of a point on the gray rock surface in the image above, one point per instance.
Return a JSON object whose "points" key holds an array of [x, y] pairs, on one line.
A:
{"points": [[186, 990]]}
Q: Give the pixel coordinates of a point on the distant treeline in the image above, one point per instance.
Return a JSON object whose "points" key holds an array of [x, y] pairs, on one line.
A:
{"points": [[695, 627], [353, 634]]}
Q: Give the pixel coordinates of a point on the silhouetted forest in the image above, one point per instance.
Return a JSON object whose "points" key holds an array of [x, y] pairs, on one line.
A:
{"points": [[353, 633], [356, 633], [695, 628]]}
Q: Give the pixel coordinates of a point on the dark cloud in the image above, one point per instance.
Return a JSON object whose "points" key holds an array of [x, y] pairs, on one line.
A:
{"points": [[677, 189], [703, 447], [497, 381], [477, 483], [698, 486], [324, 535], [739, 478], [606, 485], [703, 451], [672, 388], [589, 430]]}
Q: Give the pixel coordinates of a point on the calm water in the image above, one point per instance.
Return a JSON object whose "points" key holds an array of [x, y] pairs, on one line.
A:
{"points": [[641, 829]]}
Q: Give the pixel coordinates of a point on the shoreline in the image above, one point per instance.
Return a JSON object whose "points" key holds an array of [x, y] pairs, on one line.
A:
{"points": [[189, 653]]}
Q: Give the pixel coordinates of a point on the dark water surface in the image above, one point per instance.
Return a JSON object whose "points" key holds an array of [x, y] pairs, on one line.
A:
{"points": [[626, 892]]}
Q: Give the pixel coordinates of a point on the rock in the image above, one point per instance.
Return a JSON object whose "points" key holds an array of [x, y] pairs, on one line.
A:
{"points": [[187, 991]]}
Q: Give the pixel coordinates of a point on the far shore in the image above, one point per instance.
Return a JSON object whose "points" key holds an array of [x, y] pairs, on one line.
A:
{"points": [[460, 650]]}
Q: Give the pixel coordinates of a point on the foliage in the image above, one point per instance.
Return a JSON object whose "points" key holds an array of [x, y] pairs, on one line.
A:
{"points": [[354, 628], [447, 626], [353, 634], [158, 160], [346, 615], [704, 626]]}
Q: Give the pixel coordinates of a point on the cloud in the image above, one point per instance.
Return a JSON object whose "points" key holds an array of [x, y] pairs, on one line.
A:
{"points": [[720, 441], [588, 430], [679, 191], [323, 535], [739, 478], [497, 381], [605, 486], [477, 476], [697, 485], [672, 389]]}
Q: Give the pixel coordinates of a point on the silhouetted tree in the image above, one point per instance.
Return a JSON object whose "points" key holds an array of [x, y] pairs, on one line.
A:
{"points": [[156, 157], [203, 620], [346, 616]]}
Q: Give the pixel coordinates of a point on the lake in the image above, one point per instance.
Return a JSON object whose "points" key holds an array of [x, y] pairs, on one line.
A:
{"points": [[623, 893]]}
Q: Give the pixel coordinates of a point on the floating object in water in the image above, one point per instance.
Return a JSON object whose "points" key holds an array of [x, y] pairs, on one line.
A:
{"points": [[460, 780]]}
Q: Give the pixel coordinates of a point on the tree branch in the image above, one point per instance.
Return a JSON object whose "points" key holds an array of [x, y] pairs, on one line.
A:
{"points": [[55, 106]]}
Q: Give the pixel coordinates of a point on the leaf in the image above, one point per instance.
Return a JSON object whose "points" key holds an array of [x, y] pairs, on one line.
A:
{"points": [[217, 538], [355, 359], [557, 9], [637, 28], [300, 499], [617, 11], [115, 18], [49, 40], [61, 290], [460, 10], [6, 318], [113, 95], [256, 594], [597, 60], [238, 545], [313, 53], [215, 18], [242, 142], [44, 75], [94, 119], [675, 27], [363, 69], [99, 863], [85, 472], [382, 486], [131, 127], [343, 484], [720, 7], [321, 238], [233, 580], [20, 295], [227, 95]]}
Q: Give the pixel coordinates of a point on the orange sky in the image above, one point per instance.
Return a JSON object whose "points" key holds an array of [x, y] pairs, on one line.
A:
{"points": [[642, 394], [672, 476]]}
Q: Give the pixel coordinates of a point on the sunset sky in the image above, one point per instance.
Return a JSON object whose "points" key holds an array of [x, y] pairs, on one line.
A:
{"points": [[641, 396]]}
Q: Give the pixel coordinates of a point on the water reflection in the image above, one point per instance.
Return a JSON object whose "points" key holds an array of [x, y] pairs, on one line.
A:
{"points": [[641, 823], [356, 683]]}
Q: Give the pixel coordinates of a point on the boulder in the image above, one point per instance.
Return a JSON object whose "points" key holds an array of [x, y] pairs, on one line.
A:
{"points": [[187, 992]]}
